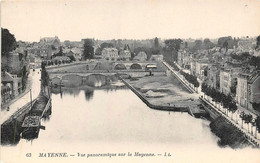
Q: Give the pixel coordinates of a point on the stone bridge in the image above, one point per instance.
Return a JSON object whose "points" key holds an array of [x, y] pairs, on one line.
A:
{"points": [[71, 79], [103, 71], [132, 65]]}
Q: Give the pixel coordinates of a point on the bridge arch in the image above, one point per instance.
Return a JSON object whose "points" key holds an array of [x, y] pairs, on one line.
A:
{"points": [[96, 80], [72, 80], [136, 66], [120, 66]]}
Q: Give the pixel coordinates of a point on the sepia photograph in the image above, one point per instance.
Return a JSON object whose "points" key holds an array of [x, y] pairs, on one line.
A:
{"points": [[171, 81]]}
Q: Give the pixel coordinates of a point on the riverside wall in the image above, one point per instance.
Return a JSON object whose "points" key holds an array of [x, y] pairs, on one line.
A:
{"points": [[157, 107]]}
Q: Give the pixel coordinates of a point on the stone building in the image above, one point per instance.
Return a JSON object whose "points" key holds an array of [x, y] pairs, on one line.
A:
{"points": [[228, 79], [110, 54], [12, 85], [248, 89], [141, 56]]}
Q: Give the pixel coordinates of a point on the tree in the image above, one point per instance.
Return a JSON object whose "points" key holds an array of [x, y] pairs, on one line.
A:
{"points": [[253, 124], [197, 46], [233, 108], [156, 43], [132, 55], [256, 106], [8, 41], [186, 45], [24, 76], [106, 45], [155, 49], [72, 58], [242, 116], [257, 123], [44, 75], [225, 45], [206, 41], [257, 43], [171, 49], [255, 61], [228, 41], [248, 119], [88, 52]]}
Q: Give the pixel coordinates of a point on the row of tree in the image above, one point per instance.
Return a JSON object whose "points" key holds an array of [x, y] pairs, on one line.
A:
{"points": [[190, 78], [44, 75], [226, 100], [248, 119]]}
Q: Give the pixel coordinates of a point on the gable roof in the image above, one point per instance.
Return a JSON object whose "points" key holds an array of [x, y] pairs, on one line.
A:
{"points": [[6, 77], [254, 77]]}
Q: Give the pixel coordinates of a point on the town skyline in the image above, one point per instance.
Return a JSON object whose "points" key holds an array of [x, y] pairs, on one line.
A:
{"points": [[130, 20]]}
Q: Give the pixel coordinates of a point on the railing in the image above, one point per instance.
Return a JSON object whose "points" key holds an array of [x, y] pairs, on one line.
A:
{"points": [[185, 83], [251, 139], [46, 107], [22, 110]]}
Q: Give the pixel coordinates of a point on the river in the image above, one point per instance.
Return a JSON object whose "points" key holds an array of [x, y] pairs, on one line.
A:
{"points": [[114, 120]]}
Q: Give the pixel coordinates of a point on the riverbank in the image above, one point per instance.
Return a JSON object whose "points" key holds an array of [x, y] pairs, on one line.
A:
{"points": [[215, 112], [164, 92], [228, 134], [11, 129]]}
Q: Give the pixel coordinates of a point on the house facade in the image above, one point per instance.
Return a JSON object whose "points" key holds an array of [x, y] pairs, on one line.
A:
{"points": [[12, 86], [254, 88], [213, 77], [228, 79], [141, 56], [248, 89], [110, 54], [124, 55]]}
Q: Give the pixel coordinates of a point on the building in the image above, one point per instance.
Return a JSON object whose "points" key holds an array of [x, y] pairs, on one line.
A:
{"points": [[248, 89], [14, 62], [228, 79], [193, 66], [124, 55], [50, 41], [245, 45], [141, 56], [213, 76], [48, 46], [254, 89], [184, 59], [74, 52], [110, 54], [11, 85], [201, 66], [156, 58]]}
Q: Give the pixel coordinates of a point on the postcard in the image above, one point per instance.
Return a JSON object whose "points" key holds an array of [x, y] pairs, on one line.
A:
{"points": [[130, 81]]}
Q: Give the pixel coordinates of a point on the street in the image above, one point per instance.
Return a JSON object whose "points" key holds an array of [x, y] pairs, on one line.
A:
{"points": [[34, 78]]}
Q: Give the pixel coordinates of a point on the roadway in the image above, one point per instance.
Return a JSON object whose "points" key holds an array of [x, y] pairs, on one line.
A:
{"points": [[33, 84]]}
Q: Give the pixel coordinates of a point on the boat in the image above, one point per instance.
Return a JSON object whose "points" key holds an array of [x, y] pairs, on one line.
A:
{"points": [[30, 127]]}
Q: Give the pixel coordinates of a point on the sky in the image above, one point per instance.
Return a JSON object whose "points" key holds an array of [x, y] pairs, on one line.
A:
{"points": [[130, 19]]}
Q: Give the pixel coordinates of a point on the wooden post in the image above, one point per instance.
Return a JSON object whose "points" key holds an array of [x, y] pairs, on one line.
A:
{"points": [[31, 100]]}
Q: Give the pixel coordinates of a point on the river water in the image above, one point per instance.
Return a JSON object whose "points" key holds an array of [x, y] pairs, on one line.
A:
{"points": [[114, 120]]}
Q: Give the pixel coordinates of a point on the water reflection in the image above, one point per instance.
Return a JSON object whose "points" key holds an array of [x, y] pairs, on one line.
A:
{"points": [[88, 84], [89, 94], [115, 114]]}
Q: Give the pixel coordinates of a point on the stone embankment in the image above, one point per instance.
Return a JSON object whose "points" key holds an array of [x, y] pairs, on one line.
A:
{"points": [[158, 107]]}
